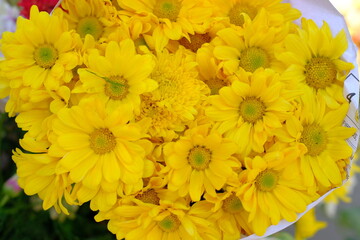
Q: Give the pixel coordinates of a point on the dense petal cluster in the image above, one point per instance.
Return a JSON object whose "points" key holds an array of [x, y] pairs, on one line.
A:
{"points": [[178, 119]]}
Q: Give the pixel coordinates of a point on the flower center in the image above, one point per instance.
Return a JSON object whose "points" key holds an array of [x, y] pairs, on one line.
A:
{"points": [[215, 84], [196, 41], [235, 13], [116, 88], [266, 180], [320, 72], [199, 157], [232, 204], [102, 141], [167, 9], [90, 25], [45, 56], [252, 109], [149, 196], [253, 58], [314, 138], [170, 223]]}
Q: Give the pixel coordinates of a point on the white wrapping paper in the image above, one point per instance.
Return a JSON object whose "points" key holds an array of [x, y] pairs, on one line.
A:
{"points": [[319, 11]]}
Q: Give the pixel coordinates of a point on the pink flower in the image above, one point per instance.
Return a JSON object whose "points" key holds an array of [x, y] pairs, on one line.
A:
{"points": [[43, 5]]}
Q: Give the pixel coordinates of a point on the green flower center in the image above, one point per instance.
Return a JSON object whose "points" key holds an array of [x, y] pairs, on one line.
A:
{"points": [[235, 13], [232, 204], [314, 138], [170, 223], [320, 72], [116, 88], [199, 157], [252, 109], [266, 180], [45, 56], [169, 9], [196, 41], [90, 25], [149, 196], [102, 141], [253, 58]]}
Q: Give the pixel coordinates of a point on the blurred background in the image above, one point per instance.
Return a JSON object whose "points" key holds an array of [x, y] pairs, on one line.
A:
{"points": [[22, 217]]}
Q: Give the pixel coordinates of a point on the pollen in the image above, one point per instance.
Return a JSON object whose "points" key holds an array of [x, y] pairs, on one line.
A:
{"points": [[266, 180], [116, 88], [102, 141], [45, 56], [199, 157], [235, 13], [320, 72], [170, 223], [90, 25], [169, 9], [252, 109], [149, 196], [314, 138], [253, 58], [232, 204], [196, 41]]}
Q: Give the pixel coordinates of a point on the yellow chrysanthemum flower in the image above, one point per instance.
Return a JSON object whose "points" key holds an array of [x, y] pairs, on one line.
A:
{"points": [[168, 219], [228, 212], [88, 17], [321, 132], [178, 97], [308, 226], [252, 48], [114, 76], [200, 161], [248, 112], [272, 190], [100, 151], [235, 10], [171, 19], [4, 83], [37, 175], [37, 57], [313, 57]]}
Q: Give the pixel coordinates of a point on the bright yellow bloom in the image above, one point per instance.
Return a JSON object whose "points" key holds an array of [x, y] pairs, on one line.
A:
{"points": [[100, 150], [314, 64], [171, 19], [325, 138], [37, 175], [235, 11], [178, 97], [307, 226], [4, 83], [88, 17], [114, 76], [200, 161], [272, 190], [252, 48], [248, 112]]}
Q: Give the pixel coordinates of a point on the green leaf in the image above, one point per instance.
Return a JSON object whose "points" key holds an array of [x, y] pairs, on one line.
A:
{"points": [[108, 80], [350, 219]]}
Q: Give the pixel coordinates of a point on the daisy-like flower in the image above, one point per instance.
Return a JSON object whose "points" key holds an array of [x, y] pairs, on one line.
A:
{"points": [[252, 48], [273, 188], [171, 218], [199, 162], [171, 19], [248, 112], [325, 138], [114, 76], [228, 212], [43, 59], [37, 175], [235, 11], [99, 150], [178, 97], [88, 17], [313, 57]]}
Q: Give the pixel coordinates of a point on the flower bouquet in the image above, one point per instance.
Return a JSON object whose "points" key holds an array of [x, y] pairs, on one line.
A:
{"points": [[179, 119]]}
